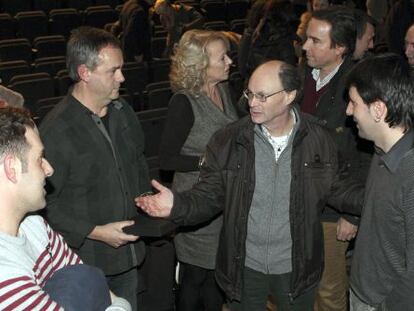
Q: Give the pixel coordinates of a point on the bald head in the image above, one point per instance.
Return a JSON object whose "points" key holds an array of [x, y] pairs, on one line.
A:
{"points": [[277, 74], [268, 71]]}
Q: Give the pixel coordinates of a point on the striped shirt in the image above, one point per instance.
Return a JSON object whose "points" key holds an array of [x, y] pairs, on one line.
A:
{"points": [[28, 261]]}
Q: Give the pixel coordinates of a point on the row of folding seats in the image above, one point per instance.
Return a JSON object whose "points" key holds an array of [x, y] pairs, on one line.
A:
{"points": [[32, 24], [22, 49], [14, 6], [50, 65], [147, 84], [236, 25], [137, 75], [228, 10], [152, 123], [217, 9], [37, 86], [54, 45]]}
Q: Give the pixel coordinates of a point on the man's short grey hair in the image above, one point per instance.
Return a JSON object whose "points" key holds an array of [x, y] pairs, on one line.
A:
{"points": [[84, 46]]}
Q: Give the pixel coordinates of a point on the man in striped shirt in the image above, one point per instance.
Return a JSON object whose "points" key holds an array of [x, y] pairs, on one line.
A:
{"points": [[30, 251]]}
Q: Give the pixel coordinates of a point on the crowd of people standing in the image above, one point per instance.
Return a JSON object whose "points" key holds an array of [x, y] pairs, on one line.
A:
{"points": [[275, 188]]}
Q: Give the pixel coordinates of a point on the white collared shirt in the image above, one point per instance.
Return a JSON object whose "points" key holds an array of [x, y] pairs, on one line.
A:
{"points": [[279, 143], [321, 83]]}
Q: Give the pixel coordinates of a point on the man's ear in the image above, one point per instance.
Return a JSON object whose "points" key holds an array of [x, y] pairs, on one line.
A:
{"points": [[380, 110], [11, 167], [290, 97], [340, 49], [83, 72]]}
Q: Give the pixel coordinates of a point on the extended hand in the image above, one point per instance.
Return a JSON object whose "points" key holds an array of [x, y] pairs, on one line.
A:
{"points": [[345, 231], [157, 205], [113, 234]]}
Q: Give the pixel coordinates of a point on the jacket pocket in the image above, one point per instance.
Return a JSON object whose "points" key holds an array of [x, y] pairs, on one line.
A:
{"points": [[318, 177], [318, 169]]}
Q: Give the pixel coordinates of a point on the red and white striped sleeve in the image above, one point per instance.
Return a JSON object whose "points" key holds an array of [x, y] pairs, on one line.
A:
{"points": [[21, 283], [20, 293], [60, 251]]}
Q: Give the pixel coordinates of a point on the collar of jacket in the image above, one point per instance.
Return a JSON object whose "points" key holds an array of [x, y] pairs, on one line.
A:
{"points": [[77, 111], [245, 136], [346, 66], [77, 106]]}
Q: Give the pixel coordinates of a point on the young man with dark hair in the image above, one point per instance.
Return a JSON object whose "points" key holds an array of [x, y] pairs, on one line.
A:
{"points": [[330, 44], [270, 173], [96, 144], [382, 276]]}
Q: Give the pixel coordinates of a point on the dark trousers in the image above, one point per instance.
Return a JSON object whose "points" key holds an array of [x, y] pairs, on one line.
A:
{"points": [[158, 272], [257, 287], [125, 285], [198, 290]]}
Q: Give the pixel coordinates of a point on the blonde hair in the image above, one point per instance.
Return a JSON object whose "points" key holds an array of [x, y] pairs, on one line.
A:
{"points": [[190, 60]]}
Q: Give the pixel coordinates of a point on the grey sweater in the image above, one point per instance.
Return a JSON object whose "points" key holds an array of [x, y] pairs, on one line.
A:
{"points": [[269, 242]]}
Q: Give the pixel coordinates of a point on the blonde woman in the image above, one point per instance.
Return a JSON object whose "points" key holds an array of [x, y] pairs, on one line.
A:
{"points": [[200, 106]]}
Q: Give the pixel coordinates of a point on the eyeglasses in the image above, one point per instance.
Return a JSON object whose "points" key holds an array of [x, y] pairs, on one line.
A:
{"points": [[260, 97]]}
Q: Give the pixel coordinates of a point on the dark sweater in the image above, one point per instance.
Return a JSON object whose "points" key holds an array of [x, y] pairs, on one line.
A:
{"points": [[180, 118], [310, 101]]}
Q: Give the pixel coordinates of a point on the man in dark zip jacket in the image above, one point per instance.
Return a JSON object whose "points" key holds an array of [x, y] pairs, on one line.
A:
{"points": [[271, 175]]}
